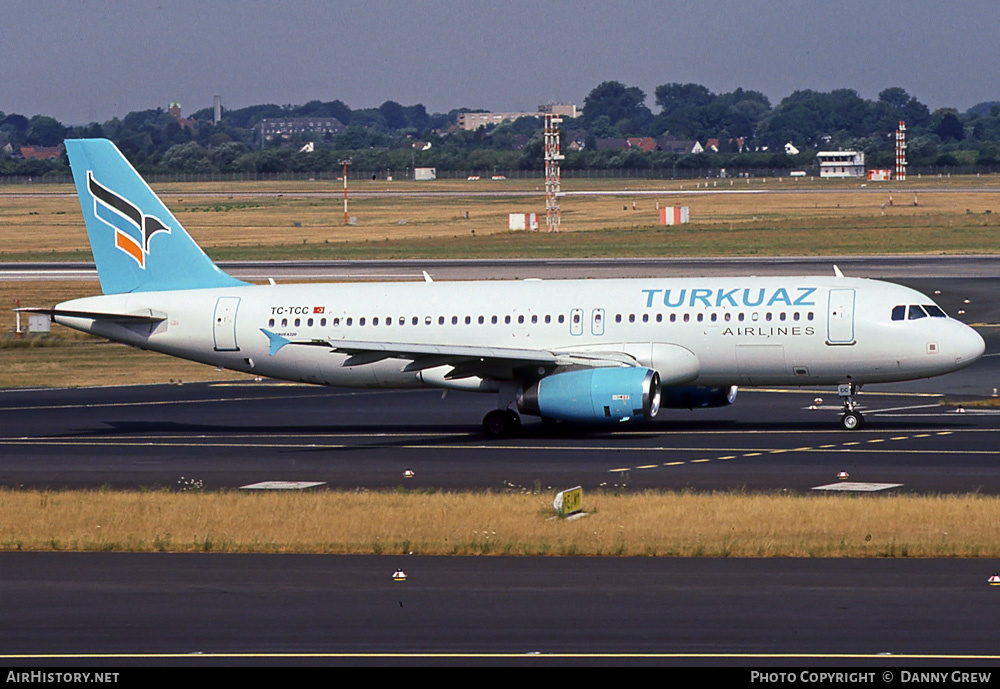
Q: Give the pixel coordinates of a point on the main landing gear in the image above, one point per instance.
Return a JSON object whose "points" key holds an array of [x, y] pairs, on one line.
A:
{"points": [[502, 423], [852, 419]]}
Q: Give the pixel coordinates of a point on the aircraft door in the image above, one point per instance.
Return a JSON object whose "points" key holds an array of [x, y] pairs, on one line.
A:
{"points": [[576, 322], [840, 317], [225, 324], [597, 322]]}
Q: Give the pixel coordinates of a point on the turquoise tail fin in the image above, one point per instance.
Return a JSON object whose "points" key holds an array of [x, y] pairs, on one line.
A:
{"points": [[138, 245]]}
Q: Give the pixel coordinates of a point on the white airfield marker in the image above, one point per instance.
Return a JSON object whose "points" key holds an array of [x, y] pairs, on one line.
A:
{"points": [[283, 485], [858, 486]]}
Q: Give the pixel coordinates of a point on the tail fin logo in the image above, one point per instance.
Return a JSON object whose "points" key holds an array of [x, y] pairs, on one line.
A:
{"points": [[133, 228]]}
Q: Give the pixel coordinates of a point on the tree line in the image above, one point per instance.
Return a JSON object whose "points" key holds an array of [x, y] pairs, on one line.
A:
{"points": [[749, 133]]}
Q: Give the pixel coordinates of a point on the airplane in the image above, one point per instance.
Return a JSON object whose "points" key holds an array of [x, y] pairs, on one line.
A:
{"points": [[590, 352]]}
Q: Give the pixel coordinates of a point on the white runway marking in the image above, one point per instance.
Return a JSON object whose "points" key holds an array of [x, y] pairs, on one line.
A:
{"points": [[858, 487], [283, 485]]}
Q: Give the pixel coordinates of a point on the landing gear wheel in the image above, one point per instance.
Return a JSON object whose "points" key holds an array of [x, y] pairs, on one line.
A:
{"points": [[513, 422], [501, 423], [852, 421]]}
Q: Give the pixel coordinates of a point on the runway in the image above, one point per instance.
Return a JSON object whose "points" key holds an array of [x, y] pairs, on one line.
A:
{"points": [[106, 609], [232, 434], [118, 610]]}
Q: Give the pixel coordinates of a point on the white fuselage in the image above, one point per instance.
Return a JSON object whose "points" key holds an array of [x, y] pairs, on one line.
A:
{"points": [[740, 331]]}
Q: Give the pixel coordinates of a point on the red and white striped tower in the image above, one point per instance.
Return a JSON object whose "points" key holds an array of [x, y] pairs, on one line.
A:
{"points": [[345, 163], [553, 216], [901, 152]]}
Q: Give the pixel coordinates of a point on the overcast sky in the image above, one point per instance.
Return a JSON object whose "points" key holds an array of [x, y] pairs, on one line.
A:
{"points": [[90, 60]]}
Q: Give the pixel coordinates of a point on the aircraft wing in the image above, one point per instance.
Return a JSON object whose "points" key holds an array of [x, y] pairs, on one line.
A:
{"points": [[468, 361]]}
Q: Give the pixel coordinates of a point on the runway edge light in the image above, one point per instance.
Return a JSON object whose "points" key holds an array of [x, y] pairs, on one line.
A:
{"points": [[399, 575], [994, 580]]}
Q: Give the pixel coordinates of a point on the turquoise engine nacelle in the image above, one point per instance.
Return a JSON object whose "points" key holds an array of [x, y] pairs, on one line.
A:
{"points": [[595, 395]]}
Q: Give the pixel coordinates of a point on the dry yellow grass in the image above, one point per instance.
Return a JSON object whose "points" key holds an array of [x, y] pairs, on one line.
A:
{"points": [[648, 524], [849, 220]]}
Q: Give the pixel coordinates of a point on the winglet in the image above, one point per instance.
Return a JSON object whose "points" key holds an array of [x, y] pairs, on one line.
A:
{"points": [[276, 342], [427, 277], [836, 271]]}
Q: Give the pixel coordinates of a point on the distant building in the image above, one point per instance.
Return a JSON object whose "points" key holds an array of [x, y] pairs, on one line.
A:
{"points": [[643, 143], [610, 144], [41, 152], [175, 112], [682, 146], [841, 163], [561, 109], [270, 127], [730, 145], [471, 121]]}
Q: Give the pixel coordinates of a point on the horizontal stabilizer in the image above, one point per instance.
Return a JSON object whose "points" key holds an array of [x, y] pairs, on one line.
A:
{"points": [[148, 316]]}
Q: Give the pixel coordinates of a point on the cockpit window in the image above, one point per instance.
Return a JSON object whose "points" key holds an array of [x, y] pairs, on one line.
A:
{"points": [[898, 313], [916, 312], [935, 311]]}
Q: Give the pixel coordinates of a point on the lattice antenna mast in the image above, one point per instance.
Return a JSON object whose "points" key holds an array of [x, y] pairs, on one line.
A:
{"points": [[901, 152], [553, 215]]}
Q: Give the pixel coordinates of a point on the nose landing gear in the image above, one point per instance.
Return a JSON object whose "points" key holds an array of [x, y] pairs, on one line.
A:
{"points": [[852, 419]]}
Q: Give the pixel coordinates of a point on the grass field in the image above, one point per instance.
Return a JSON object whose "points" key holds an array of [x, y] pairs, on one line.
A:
{"points": [[643, 524], [280, 220]]}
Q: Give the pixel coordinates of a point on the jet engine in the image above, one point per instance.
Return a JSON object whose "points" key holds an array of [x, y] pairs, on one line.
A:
{"points": [[594, 395], [697, 397]]}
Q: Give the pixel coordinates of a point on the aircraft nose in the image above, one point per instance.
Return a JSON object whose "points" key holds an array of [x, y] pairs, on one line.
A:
{"points": [[969, 346]]}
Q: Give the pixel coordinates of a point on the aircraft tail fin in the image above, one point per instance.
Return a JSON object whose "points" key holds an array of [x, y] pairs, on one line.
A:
{"points": [[138, 245]]}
